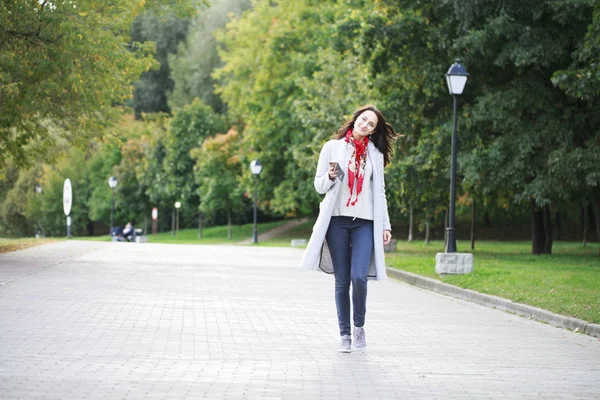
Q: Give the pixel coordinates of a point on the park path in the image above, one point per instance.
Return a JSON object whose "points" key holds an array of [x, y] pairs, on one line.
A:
{"points": [[275, 232], [99, 320]]}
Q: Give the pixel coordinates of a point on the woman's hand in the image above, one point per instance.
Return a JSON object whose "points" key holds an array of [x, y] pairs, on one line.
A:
{"points": [[387, 236], [332, 172]]}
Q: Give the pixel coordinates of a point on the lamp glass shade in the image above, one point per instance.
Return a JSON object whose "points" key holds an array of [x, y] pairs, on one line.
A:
{"points": [[456, 78], [255, 167], [456, 83], [177, 204], [112, 182]]}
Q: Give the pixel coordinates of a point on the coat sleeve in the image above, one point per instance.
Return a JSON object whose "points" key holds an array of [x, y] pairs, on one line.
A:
{"points": [[322, 181]]}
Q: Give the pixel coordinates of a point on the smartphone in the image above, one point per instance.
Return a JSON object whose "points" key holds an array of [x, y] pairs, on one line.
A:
{"points": [[338, 169]]}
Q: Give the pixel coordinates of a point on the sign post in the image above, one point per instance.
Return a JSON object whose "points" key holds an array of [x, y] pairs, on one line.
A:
{"points": [[154, 221], [67, 202]]}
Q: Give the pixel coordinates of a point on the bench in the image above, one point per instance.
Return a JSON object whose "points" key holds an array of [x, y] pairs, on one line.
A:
{"points": [[138, 236]]}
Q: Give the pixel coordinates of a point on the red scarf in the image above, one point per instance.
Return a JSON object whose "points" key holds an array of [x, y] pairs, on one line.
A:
{"points": [[356, 165]]}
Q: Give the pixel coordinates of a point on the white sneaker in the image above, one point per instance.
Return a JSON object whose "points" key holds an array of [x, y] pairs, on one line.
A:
{"points": [[360, 342], [345, 344]]}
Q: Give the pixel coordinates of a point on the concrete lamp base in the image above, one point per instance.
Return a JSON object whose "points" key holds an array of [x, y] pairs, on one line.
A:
{"points": [[454, 263]]}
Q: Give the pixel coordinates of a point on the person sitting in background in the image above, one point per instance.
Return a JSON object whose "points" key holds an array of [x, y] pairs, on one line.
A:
{"points": [[128, 231]]}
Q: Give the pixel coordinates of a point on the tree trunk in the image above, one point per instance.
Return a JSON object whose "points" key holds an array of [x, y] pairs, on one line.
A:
{"points": [[200, 225], [538, 238], [548, 230], [173, 223], [410, 224], [586, 222], [89, 226], [486, 219], [427, 232], [596, 208], [558, 226], [473, 216], [228, 218]]}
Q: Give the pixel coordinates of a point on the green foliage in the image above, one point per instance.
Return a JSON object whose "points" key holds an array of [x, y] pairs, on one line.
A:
{"points": [[217, 172], [519, 118], [64, 68], [582, 78], [53, 219], [289, 91], [153, 87], [187, 130], [100, 168], [288, 74], [197, 58], [407, 48], [21, 206]]}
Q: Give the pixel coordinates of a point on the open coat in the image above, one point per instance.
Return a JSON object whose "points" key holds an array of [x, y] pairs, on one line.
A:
{"points": [[317, 254]]}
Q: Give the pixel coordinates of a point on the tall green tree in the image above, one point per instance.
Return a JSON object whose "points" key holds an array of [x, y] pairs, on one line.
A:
{"points": [[197, 58], [20, 208], [407, 49], [519, 115], [53, 219], [154, 86], [576, 163], [218, 171], [270, 55], [65, 70], [188, 129]]}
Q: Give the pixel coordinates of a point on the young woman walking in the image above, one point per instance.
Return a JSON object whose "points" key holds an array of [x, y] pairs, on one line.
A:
{"points": [[353, 223]]}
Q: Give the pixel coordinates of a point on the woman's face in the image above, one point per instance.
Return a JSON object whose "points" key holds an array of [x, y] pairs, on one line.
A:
{"points": [[364, 125]]}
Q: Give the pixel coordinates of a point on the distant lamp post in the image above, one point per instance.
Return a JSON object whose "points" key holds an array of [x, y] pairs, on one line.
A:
{"points": [[177, 207], [456, 77], [38, 228], [255, 167], [112, 182]]}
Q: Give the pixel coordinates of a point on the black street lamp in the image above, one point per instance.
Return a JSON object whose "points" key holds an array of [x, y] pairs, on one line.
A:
{"points": [[112, 182], [39, 232], [255, 167], [456, 77], [177, 207]]}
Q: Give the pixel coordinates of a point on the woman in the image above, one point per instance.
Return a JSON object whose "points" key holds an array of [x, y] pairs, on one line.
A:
{"points": [[353, 223]]}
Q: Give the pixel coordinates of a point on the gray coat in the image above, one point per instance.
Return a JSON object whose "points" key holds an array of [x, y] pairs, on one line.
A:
{"points": [[317, 254]]}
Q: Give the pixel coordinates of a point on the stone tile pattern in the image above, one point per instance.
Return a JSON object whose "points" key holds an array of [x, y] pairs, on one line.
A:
{"points": [[144, 321]]}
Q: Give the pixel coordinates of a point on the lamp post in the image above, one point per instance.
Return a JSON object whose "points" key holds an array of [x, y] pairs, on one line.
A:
{"points": [[456, 78], [112, 182], [177, 207], [38, 229], [255, 167]]}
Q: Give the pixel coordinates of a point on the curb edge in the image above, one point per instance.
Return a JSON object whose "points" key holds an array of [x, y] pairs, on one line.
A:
{"points": [[522, 310]]}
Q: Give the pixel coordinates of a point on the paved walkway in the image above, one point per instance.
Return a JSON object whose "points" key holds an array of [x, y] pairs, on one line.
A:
{"points": [[275, 232], [91, 320]]}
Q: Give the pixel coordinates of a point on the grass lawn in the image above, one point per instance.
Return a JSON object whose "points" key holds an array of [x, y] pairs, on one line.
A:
{"points": [[212, 235], [566, 282], [7, 245]]}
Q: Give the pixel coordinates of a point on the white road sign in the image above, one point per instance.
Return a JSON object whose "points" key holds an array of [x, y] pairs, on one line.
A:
{"points": [[67, 197]]}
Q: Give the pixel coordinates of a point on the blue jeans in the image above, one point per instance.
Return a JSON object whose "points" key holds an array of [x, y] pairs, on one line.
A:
{"points": [[350, 243]]}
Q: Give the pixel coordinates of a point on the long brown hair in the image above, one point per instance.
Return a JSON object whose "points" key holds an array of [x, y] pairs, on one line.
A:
{"points": [[382, 137]]}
